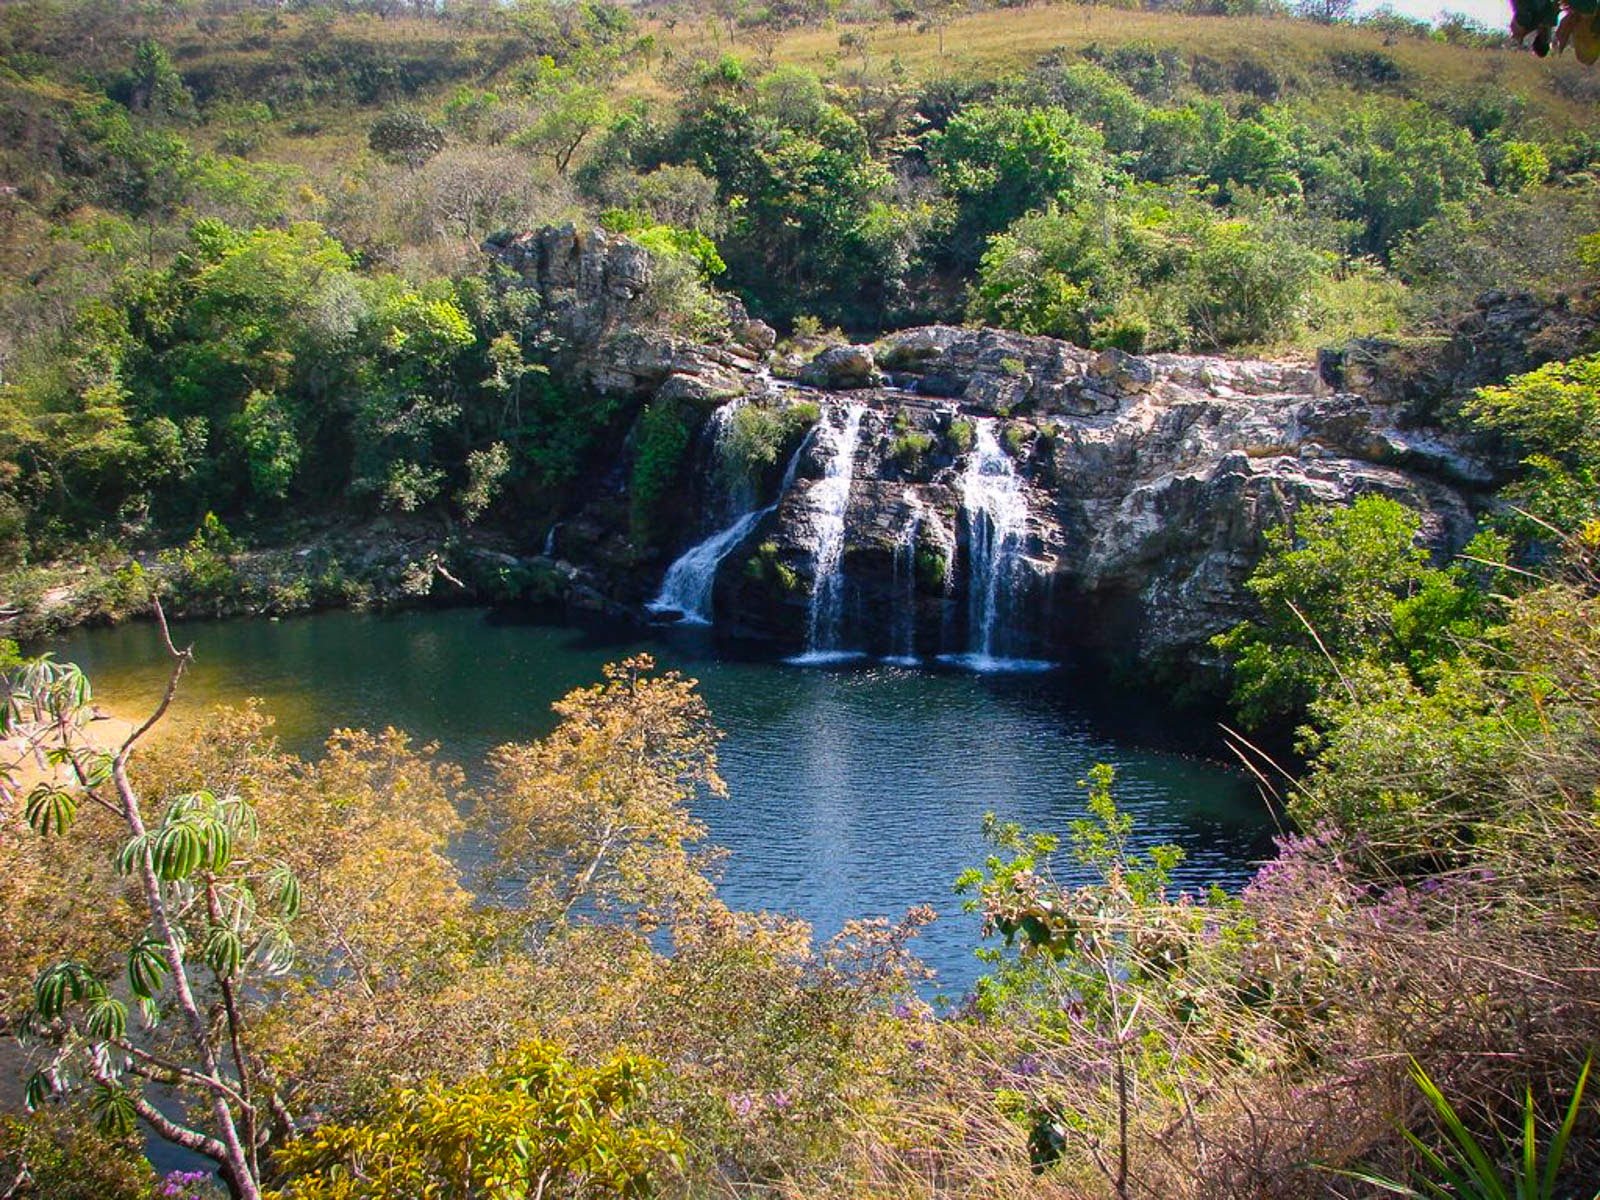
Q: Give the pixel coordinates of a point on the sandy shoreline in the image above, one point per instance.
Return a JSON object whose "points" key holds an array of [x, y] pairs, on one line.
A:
{"points": [[106, 731]]}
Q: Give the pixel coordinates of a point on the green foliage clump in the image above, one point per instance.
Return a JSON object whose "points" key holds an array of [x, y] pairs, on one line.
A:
{"points": [[810, 212], [1153, 274], [538, 1121], [668, 241], [405, 136], [765, 567], [757, 438], [660, 446], [200, 573], [486, 471], [1001, 160], [1339, 586], [1552, 416], [54, 1154], [909, 447], [932, 568]]}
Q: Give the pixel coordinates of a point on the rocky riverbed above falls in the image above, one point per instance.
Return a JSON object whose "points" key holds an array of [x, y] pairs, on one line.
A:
{"points": [[1143, 487], [982, 493]]}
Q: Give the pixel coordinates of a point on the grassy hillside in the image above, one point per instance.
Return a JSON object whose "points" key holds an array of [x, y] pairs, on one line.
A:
{"points": [[1306, 58], [1116, 177]]}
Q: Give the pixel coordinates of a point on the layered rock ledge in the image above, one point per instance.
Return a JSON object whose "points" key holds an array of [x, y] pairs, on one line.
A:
{"points": [[1149, 480]]}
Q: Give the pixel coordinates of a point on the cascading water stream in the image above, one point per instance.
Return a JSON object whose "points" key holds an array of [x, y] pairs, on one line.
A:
{"points": [[687, 587], [996, 509], [903, 631], [830, 502]]}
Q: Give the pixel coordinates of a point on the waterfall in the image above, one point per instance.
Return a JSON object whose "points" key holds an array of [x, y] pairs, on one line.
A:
{"points": [[996, 509], [830, 501], [739, 500], [689, 581], [903, 584]]}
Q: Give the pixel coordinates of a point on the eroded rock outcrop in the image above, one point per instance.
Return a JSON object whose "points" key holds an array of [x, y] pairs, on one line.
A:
{"points": [[1147, 481], [597, 307]]}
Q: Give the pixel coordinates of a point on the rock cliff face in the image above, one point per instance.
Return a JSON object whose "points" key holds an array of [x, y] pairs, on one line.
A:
{"points": [[1148, 483], [595, 301], [980, 493]]}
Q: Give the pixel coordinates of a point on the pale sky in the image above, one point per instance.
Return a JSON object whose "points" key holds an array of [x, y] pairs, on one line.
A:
{"points": [[1496, 14]]}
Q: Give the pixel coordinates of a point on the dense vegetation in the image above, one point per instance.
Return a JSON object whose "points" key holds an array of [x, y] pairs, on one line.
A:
{"points": [[242, 266]]}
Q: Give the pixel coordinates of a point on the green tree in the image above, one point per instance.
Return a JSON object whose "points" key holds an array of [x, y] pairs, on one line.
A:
{"points": [[1411, 165], [405, 137], [537, 1124], [999, 161], [802, 192], [568, 119], [154, 85], [1143, 273], [1340, 586], [597, 814], [410, 394], [1552, 416]]}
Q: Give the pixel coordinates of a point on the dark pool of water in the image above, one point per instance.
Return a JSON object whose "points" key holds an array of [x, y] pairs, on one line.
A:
{"points": [[855, 791]]}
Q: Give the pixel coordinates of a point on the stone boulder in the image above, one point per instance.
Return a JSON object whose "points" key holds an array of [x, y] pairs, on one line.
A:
{"points": [[840, 368], [908, 349], [592, 288]]}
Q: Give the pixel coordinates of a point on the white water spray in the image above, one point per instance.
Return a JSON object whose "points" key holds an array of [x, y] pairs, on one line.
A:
{"points": [[997, 514], [690, 580], [830, 501]]}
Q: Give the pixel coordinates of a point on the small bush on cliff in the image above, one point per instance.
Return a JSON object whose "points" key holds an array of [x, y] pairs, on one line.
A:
{"points": [[765, 567], [683, 264], [909, 447], [756, 439], [1552, 416], [1342, 585], [661, 443]]}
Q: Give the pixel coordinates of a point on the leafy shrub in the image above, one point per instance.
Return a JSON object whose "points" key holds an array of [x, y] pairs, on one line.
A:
{"points": [[660, 446], [668, 241], [405, 136], [54, 1155], [13, 532], [962, 434], [200, 573], [1338, 585], [115, 594], [756, 439], [1144, 275], [909, 447], [764, 566], [1001, 160], [486, 471], [1551, 416], [537, 1121]]}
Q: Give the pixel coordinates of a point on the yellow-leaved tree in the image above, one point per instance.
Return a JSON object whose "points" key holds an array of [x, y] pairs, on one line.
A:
{"points": [[595, 818]]}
